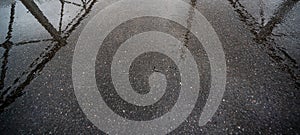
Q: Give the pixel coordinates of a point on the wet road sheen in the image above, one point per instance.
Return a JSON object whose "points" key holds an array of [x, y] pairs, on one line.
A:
{"points": [[39, 95]]}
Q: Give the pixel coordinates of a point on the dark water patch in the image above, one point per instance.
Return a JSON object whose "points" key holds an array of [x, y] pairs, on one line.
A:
{"points": [[263, 34], [15, 90]]}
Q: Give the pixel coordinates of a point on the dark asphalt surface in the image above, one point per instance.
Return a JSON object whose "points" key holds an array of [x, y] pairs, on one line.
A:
{"points": [[260, 39]]}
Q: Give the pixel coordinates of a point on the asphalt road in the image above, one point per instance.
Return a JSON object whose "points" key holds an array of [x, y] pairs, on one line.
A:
{"points": [[39, 86]]}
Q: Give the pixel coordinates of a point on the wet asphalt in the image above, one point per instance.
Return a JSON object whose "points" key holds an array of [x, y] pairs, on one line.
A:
{"points": [[261, 42]]}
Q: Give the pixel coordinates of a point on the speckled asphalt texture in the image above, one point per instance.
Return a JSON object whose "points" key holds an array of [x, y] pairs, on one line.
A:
{"points": [[260, 40]]}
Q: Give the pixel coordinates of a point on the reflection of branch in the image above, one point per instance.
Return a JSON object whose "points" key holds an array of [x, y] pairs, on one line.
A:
{"points": [[32, 41], [279, 15], [38, 14], [78, 16], [15, 90], [3, 68], [11, 21], [187, 35], [262, 32], [191, 14], [245, 16], [61, 15], [73, 20], [74, 3], [251, 22], [280, 55], [262, 13], [84, 3], [7, 45]]}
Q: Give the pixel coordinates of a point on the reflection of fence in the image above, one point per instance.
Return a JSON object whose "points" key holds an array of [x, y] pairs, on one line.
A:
{"points": [[263, 34], [8, 95]]}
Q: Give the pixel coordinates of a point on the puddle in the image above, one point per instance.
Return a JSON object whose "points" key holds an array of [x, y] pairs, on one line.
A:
{"points": [[31, 23], [265, 19], [31, 33]]}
